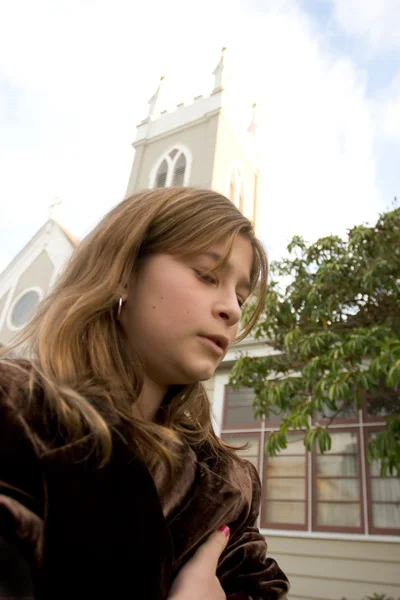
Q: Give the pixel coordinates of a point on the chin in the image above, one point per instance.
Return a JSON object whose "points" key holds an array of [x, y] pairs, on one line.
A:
{"points": [[205, 374], [189, 372], [191, 376]]}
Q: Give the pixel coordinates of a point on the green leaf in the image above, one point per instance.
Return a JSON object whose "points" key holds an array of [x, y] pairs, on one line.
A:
{"points": [[332, 325]]}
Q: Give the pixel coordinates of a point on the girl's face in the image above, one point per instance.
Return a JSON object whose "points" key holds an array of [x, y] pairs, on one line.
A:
{"points": [[181, 320]]}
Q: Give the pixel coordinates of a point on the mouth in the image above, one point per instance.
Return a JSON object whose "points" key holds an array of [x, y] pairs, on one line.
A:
{"points": [[218, 343]]}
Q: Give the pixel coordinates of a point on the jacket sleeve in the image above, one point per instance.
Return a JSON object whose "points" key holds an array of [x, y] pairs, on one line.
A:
{"points": [[20, 526], [245, 572]]}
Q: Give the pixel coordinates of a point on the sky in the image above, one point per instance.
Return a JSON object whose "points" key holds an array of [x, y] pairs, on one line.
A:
{"points": [[76, 76]]}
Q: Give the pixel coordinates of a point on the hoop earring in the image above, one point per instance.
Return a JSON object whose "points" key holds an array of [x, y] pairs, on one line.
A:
{"points": [[120, 303]]}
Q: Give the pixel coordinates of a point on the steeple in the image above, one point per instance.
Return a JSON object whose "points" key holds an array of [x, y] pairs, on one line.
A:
{"points": [[220, 73], [154, 102], [201, 144], [252, 128]]}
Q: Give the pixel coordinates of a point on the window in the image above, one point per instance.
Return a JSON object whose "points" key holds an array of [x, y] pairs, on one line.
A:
{"points": [[239, 409], [337, 484], [179, 171], [24, 307], [172, 170], [236, 188], [314, 491], [232, 190], [241, 197], [384, 498], [285, 486], [252, 452], [162, 173]]}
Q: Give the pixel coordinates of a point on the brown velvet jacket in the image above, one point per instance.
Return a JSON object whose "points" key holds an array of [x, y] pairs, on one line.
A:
{"points": [[71, 531]]}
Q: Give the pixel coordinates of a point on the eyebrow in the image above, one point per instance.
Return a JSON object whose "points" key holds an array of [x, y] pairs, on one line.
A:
{"points": [[244, 282]]}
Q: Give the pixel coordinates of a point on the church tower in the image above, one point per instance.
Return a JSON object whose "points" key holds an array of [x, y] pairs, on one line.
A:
{"points": [[199, 145]]}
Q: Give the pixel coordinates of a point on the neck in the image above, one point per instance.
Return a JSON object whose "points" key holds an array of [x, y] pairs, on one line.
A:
{"points": [[149, 400]]}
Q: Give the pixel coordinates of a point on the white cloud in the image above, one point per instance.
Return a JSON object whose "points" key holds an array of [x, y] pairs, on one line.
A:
{"points": [[88, 69], [387, 110], [376, 21], [85, 71], [318, 133]]}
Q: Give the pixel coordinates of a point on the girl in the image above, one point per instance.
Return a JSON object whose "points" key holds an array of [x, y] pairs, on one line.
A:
{"points": [[112, 480]]}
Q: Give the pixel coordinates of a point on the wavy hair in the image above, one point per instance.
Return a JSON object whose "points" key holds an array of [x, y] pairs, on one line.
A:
{"points": [[78, 348]]}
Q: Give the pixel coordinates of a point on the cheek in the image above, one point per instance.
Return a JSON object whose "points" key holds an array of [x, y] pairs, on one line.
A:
{"points": [[163, 307], [173, 310]]}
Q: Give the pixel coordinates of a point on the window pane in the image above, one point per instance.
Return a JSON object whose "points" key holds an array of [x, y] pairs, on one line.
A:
{"points": [[295, 444], [24, 308], [179, 171], [343, 443], [238, 440], [241, 197], [253, 460], [338, 514], [232, 191], [273, 420], [386, 515], [346, 465], [280, 466], [286, 489], [286, 512], [161, 177], [348, 411], [252, 452], [241, 416], [179, 175], [383, 403], [241, 397], [386, 489], [338, 489], [375, 468], [161, 180]]}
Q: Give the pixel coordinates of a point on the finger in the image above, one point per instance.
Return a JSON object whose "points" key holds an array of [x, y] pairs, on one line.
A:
{"points": [[211, 550]]}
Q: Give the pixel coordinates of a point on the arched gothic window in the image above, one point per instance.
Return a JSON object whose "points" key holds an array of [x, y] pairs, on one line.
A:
{"points": [[236, 188], [179, 170], [173, 169], [241, 196], [232, 189], [162, 173]]}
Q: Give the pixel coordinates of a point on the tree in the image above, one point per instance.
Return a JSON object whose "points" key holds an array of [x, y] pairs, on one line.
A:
{"points": [[332, 322]]}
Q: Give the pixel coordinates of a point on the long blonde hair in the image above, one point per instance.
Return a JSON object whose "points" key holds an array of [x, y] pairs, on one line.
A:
{"points": [[77, 346]]}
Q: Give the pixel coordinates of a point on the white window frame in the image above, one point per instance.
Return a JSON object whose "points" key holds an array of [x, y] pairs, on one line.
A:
{"points": [[218, 399], [182, 149], [235, 174], [33, 288]]}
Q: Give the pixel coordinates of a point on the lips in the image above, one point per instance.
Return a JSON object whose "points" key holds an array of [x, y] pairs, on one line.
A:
{"points": [[218, 340]]}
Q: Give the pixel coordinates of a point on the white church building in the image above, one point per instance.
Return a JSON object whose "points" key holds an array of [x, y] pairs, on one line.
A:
{"points": [[331, 521]]}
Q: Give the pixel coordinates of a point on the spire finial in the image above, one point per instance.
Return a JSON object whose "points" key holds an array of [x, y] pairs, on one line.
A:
{"points": [[252, 128], [154, 102], [52, 207], [219, 72]]}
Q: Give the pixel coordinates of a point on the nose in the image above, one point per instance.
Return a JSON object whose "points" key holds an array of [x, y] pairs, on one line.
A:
{"points": [[227, 308]]}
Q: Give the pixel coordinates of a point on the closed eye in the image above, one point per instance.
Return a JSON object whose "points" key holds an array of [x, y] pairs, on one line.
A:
{"points": [[207, 277], [212, 280]]}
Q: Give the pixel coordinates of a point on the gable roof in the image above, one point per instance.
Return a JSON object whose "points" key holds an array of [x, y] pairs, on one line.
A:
{"points": [[44, 230]]}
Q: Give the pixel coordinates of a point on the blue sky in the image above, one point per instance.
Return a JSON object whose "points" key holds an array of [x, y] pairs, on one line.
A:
{"points": [[76, 75]]}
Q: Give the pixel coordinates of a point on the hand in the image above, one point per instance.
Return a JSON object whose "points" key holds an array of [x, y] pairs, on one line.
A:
{"points": [[197, 580]]}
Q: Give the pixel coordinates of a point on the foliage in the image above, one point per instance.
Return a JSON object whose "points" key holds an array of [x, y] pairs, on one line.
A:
{"points": [[332, 323], [377, 597]]}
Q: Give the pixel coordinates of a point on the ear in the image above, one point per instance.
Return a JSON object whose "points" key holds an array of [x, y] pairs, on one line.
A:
{"points": [[122, 292]]}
